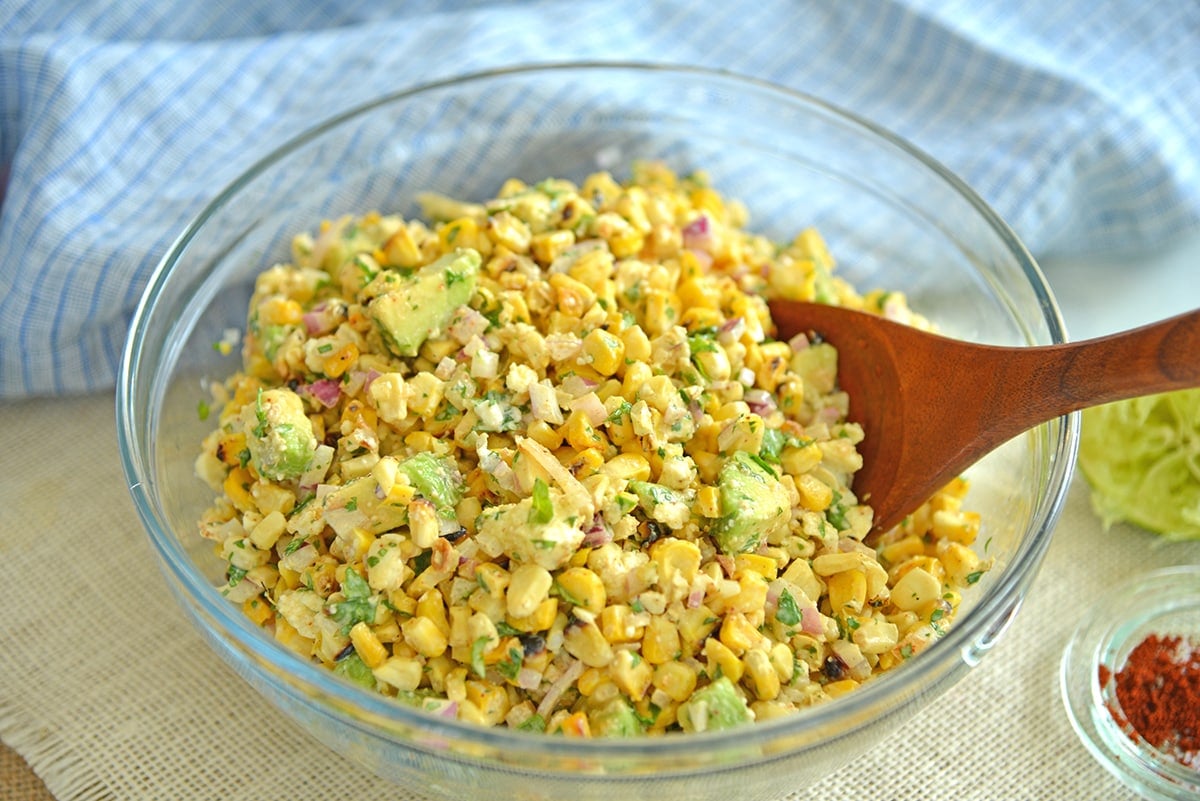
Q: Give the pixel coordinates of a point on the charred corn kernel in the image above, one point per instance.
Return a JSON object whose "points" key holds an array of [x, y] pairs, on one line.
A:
{"points": [[631, 673], [827, 564], [738, 634], [280, 311], [960, 527], [230, 448], [424, 636], [528, 586], [508, 230], [402, 673], [836, 689], [764, 566], [423, 525], [593, 268], [584, 641], [432, 607], [660, 642], [815, 494], [618, 624], [675, 679], [847, 590], [368, 647], [604, 351], [959, 560], [896, 552], [237, 488], [582, 588], [267, 532], [761, 672], [915, 588], [722, 661], [401, 250]]}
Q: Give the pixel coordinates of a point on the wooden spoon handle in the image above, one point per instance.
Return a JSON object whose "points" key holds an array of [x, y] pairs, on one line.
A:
{"points": [[1059, 379]]}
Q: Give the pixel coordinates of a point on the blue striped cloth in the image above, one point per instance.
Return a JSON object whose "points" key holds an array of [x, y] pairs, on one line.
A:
{"points": [[1076, 120]]}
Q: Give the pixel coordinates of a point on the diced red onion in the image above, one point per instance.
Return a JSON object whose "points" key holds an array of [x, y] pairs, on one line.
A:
{"points": [[543, 403], [468, 323], [592, 408], [597, 534], [799, 342], [325, 391], [810, 621], [528, 679], [558, 687], [697, 235], [760, 401], [576, 385]]}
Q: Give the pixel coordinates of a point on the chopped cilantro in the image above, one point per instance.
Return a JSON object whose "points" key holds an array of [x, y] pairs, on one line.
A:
{"points": [[974, 577], [477, 650], [787, 612], [510, 667], [542, 510], [203, 409], [358, 607]]}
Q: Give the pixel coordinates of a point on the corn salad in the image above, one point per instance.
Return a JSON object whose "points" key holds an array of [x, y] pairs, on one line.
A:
{"points": [[539, 462]]}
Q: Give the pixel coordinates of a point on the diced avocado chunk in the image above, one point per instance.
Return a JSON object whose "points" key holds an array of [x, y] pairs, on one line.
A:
{"points": [[717, 706], [435, 478], [279, 434], [616, 719], [753, 504], [353, 668], [421, 304]]}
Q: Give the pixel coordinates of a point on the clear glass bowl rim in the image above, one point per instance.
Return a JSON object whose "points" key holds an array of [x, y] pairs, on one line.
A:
{"points": [[830, 718]]}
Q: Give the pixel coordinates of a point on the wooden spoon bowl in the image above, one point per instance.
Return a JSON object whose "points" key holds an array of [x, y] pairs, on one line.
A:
{"points": [[932, 406]]}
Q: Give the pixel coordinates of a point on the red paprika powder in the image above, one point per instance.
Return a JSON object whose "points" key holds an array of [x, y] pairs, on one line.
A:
{"points": [[1158, 696]]}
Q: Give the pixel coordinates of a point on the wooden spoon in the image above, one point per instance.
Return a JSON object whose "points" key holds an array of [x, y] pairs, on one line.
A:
{"points": [[931, 406]]}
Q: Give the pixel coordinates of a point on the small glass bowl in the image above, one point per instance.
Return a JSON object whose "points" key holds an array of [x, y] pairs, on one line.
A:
{"points": [[1163, 602]]}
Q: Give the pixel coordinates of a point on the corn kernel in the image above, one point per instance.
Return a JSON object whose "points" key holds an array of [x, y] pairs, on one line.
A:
{"points": [[424, 636], [584, 641], [583, 588], [368, 647], [738, 634], [815, 494], [237, 488], [541, 619], [915, 588], [722, 661], [631, 673], [617, 625], [762, 674], [528, 587], [836, 689], [660, 643], [675, 679], [604, 352], [432, 607], [847, 591], [764, 566]]}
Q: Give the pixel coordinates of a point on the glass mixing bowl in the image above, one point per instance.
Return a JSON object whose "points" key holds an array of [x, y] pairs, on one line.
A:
{"points": [[893, 217]]}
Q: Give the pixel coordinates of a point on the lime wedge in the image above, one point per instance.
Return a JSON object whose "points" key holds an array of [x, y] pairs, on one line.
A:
{"points": [[1141, 458]]}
